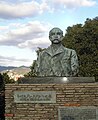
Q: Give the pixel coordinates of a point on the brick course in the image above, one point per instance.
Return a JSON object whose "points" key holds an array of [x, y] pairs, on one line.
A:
{"points": [[84, 94]]}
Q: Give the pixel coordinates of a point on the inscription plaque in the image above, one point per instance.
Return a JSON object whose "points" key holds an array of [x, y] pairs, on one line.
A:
{"points": [[35, 97], [78, 113]]}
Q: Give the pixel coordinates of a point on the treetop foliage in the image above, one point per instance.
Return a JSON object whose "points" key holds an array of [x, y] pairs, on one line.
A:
{"points": [[84, 39]]}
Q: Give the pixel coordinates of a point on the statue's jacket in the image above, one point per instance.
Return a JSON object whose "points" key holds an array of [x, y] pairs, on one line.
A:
{"points": [[63, 62]]}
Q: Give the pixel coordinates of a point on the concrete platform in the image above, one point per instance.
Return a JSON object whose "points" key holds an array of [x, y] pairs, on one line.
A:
{"points": [[57, 80]]}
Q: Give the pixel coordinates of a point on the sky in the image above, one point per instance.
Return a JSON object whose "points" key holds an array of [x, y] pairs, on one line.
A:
{"points": [[25, 24]]}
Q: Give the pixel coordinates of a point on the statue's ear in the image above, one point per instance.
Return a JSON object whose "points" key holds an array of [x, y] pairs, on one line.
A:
{"points": [[49, 37]]}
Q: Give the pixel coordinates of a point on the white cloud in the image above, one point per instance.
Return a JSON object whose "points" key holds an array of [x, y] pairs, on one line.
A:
{"points": [[14, 1], [70, 4], [3, 28], [12, 61], [35, 43], [44, 7], [26, 35], [21, 9], [88, 3], [31, 8]]}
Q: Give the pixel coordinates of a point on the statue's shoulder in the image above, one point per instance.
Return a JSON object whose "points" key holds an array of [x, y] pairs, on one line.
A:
{"points": [[69, 50], [42, 52]]}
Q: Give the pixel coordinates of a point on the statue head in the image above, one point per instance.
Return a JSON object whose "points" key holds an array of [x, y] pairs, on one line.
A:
{"points": [[56, 35]]}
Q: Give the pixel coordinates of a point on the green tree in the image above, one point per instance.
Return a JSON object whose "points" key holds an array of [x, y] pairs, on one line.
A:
{"points": [[7, 79], [33, 73], [1, 83], [84, 39]]}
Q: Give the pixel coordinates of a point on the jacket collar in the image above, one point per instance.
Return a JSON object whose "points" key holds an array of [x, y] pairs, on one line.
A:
{"points": [[60, 50]]}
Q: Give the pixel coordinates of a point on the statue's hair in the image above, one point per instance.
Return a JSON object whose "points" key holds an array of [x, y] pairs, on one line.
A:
{"points": [[55, 28]]}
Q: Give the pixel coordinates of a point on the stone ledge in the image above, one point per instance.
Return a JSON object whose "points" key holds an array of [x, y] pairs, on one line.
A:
{"points": [[56, 80]]}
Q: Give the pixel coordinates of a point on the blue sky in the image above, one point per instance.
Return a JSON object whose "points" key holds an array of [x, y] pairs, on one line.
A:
{"points": [[24, 25]]}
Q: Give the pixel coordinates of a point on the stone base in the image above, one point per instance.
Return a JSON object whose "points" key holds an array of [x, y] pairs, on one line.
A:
{"points": [[57, 80], [51, 101], [78, 113]]}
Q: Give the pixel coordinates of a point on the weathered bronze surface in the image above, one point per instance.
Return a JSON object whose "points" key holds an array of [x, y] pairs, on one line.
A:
{"points": [[57, 60]]}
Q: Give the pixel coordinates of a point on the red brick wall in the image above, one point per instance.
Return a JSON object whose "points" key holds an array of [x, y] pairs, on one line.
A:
{"points": [[84, 94]]}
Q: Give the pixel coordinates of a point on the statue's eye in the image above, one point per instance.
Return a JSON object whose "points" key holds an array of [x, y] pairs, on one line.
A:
{"points": [[58, 33], [52, 33]]}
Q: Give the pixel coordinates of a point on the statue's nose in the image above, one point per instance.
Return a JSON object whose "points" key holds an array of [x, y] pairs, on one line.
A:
{"points": [[55, 35]]}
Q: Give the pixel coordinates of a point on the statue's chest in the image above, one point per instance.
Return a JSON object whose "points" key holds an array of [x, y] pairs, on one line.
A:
{"points": [[56, 59]]}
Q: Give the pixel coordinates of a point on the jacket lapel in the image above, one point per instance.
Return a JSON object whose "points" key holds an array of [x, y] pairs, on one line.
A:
{"points": [[59, 51]]}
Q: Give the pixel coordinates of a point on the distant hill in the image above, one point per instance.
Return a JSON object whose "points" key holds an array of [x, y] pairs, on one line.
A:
{"points": [[16, 70], [20, 70], [2, 68]]}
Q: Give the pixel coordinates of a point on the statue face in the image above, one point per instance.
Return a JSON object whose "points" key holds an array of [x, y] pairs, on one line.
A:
{"points": [[56, 35]]}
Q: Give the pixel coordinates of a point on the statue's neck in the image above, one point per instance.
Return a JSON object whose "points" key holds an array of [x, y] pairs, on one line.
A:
{"points": [[55, 47]]}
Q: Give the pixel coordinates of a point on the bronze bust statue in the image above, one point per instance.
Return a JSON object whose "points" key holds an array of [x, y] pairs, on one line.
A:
{"points": [[57, 60]]}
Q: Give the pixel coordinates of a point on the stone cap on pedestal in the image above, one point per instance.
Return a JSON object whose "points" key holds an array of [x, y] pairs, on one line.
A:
{"points": [[55, 80]]}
